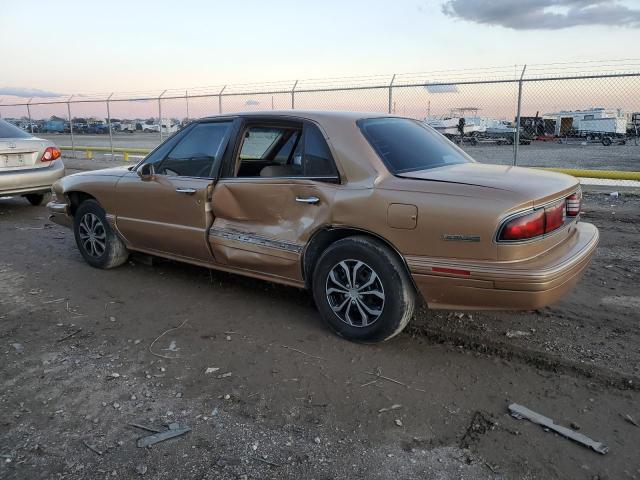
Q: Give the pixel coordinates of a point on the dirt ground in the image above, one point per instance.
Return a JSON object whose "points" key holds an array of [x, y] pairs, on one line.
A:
{"points": [[291, 400]]}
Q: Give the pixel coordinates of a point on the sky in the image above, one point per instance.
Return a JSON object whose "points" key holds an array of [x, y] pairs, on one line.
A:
{"points": [[67, 47]]}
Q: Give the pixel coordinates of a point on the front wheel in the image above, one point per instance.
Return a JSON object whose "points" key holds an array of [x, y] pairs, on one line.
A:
{"points": [[97, 242], [362, 290]]}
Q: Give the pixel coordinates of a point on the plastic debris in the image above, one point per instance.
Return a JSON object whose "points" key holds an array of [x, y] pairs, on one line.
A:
{"points": [[174, 430], [520, 412]]}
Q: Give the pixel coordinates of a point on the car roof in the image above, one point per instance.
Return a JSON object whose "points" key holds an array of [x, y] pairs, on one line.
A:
{"points": [[317, 115]]}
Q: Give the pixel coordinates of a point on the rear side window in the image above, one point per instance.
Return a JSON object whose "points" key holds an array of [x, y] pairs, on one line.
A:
{"points": [[406, 145], [8, 130], [317, 160], [259, 142]]}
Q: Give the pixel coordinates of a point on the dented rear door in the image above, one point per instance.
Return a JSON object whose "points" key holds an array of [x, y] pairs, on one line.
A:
{"points": [[263, 224]]}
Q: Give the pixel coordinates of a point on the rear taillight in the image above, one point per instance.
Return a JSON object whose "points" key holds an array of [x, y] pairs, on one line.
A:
{"points": [[554, 217], [50, 154], [527, 226], [573, 204], [534, 224]]}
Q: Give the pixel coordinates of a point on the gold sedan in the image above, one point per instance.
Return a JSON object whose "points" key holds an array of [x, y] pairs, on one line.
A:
{"points": [[371, 212]]}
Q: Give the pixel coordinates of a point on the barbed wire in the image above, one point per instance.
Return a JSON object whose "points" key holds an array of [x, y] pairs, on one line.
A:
{"points": [[442, 76]]}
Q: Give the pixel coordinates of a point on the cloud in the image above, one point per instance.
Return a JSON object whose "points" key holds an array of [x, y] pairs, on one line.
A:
{"points": [[27, 92], [543, 14], [251, 102]]}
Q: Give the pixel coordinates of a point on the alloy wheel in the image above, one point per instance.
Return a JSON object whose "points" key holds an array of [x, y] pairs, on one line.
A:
{"points": [[92, 235], [355, 293]]}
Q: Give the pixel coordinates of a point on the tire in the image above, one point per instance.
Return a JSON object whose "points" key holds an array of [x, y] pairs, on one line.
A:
{"points": [[385, 303], [35, 199], [97, 242], [606, 141]]}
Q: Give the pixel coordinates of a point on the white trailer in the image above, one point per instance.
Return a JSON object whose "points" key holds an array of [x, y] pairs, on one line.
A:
{"points": [[611, 125]]}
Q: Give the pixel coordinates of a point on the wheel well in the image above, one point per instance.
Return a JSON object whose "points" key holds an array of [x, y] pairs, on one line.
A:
{"points": [[324, 238], [76, 198]]}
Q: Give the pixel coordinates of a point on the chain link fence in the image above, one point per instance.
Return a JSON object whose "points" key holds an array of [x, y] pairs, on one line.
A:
{"points": [[574, 116]]}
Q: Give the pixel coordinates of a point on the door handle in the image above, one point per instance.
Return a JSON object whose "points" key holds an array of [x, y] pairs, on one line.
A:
{"points": [[188, 191], [311, 200]]}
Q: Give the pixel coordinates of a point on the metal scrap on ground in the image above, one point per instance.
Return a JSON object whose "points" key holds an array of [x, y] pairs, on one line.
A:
{"points": [[520, 412], [174, 430]]}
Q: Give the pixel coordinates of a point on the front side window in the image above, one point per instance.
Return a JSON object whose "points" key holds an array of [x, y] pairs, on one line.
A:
{"points": [[406, 145], [194, 154]]}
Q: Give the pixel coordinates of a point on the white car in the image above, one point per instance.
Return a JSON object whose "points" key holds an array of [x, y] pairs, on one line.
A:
{"points": [[28, 165]]}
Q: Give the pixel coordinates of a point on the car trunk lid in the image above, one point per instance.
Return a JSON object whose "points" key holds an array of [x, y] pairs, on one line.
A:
{"points": [[21, 153], [522, 184]]}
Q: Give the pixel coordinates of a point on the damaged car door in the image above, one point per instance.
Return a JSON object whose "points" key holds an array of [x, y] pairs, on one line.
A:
{"points": [[162, 203], [274, 193]]}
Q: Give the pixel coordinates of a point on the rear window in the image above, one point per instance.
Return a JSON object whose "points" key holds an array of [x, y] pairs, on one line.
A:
{"points": [[406, 145], [8, 130]]}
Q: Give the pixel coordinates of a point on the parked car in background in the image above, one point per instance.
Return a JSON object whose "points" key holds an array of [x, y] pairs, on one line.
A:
{"points": [[98, 128], [55, 126], [128, 127], [80, 126], [28, 165], [368, 211], [150, 127]]}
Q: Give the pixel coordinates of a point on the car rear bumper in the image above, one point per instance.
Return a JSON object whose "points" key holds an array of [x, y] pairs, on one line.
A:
{"points": [[524, 285], [32, 180]]}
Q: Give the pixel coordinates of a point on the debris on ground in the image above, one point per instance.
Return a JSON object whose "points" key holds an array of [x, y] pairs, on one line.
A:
{"points": [[91, 447], [18, 347], [629, 419], [395, 406], [516, 334], [72, 334], [211, 370], [520, 412], [174, 430], [144, 427]]}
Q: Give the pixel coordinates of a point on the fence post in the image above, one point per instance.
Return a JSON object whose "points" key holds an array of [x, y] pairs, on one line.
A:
{"points": [[109, 125], [516, 140], [160, 114], [73, 144], [293, 95], [391, 92], [186, 100], [220, 100], [29, 116]]}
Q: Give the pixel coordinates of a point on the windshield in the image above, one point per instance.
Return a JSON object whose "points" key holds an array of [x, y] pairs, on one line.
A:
{"points": [[406, 145], [8, 130]]}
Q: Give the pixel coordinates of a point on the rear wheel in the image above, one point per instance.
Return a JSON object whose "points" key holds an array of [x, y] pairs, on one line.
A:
{"points": [[362, 290], [98, 244], [35, 199]]}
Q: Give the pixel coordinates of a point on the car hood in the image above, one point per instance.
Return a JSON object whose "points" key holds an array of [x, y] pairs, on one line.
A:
{"points": [[105, 172], [527, 184]]}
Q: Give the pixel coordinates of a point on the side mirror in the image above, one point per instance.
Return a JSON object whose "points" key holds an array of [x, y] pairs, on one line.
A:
{"points": [[147, 171]]}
